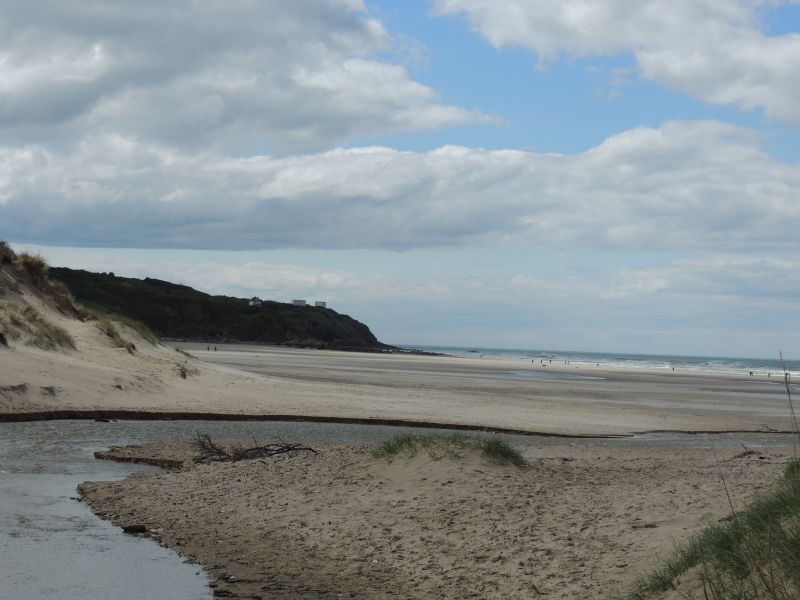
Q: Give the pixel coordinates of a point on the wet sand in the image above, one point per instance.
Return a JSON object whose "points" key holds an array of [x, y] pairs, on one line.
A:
{"points": [[274, 382], [577, 399]]}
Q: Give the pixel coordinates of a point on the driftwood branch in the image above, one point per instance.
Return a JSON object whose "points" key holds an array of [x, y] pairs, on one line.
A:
{"points": [[210, 451]]}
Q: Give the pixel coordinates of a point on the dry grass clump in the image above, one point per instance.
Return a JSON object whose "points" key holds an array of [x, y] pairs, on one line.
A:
{"points": [[26, 325], [34, 266], [438, 446], [61, 295], [7, 255], [34, 269], [186, 370]]}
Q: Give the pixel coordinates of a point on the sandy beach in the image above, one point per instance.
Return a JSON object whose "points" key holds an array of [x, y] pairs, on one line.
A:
{"points": [[574, 523], [246, 380]]}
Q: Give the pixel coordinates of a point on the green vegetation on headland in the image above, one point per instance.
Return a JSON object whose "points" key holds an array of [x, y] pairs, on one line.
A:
{"points": [[180, 312]]}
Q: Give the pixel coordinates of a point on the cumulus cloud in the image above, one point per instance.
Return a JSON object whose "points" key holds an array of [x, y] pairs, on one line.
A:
{"points": [[230, 75], [684, 185], [716, 51]]}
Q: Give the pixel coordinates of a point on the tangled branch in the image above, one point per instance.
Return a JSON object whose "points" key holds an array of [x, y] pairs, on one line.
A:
{"points": [[210, 451]]}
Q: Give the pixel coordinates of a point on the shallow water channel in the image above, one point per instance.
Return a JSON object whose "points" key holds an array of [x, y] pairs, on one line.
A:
{"points": [[53, 547]]}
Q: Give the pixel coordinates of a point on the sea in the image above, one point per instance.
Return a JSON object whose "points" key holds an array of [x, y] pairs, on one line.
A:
{"points": [[761, 366]]}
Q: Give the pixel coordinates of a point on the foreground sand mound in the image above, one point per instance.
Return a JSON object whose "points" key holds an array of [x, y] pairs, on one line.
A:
{"points": [[575, 523]]}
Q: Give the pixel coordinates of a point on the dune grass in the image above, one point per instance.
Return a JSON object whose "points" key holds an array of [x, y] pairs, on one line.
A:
{"points": [[140, 328], [754, 554], [33, 265], [25, 324], [28, 325], [107, 323], [7, 255], [61, 295], [34, 268], [454, 445]]}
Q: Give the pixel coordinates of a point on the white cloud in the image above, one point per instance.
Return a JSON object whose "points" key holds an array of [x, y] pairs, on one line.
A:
{"points": [[715, 50], [706, 277], [714, 276], [225, 273], [686, 185], [231, 75]]}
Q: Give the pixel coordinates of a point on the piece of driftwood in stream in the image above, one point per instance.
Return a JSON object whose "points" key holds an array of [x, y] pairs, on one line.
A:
{"points": [[209, 451]]}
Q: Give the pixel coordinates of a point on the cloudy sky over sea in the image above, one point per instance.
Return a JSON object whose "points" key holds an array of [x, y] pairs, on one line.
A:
{"points": [[614, 175]]}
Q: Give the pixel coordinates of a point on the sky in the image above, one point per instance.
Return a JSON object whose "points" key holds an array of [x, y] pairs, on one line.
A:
{"points": [[615, 175]]}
